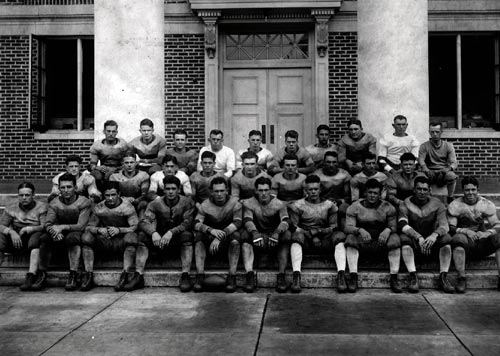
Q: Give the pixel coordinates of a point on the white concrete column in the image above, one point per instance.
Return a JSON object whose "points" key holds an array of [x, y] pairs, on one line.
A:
{"points": [[393, 65], [129, 65]]}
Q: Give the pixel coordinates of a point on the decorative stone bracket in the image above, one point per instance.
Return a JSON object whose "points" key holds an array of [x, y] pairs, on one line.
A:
{"points": [[210, 20], [322, 17]]}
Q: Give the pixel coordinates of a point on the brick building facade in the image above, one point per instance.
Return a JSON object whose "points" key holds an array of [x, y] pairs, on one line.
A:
{"points": [[31, 152]]}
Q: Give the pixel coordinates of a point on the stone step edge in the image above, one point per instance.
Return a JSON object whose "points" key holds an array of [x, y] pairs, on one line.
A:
{"points": [[265, 278]]}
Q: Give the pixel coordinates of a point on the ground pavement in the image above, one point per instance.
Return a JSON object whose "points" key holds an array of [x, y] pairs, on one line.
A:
{"points": [[162, 321]]}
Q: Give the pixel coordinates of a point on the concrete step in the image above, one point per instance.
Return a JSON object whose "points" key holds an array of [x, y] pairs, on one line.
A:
{"points": [[265, 278]]}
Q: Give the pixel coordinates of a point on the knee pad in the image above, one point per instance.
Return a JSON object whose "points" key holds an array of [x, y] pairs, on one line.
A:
{"points": [[460, 240]]}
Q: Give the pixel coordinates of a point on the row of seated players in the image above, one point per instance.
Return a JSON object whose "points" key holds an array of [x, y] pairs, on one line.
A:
{"points": [[286, 222]]}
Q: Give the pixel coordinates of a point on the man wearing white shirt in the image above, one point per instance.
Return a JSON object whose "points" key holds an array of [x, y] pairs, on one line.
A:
{"points": [[254, 145], [170, 168], [393, 145], [225, 160]]}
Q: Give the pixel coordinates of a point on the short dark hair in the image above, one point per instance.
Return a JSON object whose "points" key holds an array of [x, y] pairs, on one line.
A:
{"points": [[146, 122], [354, 122], [108, 185], [322, 127], [249, 154], [172, 180], [169, 158], [216, 132], [218, 180], [470, 180], [255, 133], [26, 185], [312, 178], [399, 117], [369, 155], [180, 132], [291, 157], [73, 158], [262, 181], [129, 153], [292, 134], [66, 177], [208, 154], [373, 183], [440, 124], [331, 154], [110, 123], [407, 156], [422, 180]]}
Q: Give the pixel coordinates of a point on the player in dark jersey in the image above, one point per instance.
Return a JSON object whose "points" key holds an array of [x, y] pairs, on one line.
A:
{"points": [[305, 162], [148, 147], [187, 158], [170, 167], [314, 226], [217, 225], [66, 219], [21, 229], [243, 182], [289, 185], [111, 228], [318, 150], [266, 224], [200, 181], [400, 184], [167, 224], [475, 227], [369, 171], [134, 184], [371, 226], [424, 229], [354, 145]]}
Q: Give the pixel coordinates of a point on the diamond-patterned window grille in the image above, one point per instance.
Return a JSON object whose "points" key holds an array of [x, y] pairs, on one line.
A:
{"points": [[265, 46]]}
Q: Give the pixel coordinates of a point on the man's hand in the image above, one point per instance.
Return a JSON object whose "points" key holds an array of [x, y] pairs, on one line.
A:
{"points": [[282, 227], [273, 240], [258, 239], [103, 232], [384, 235], [156, 237], [214, 246], [113, 231], [470, 234], [25, 230], [55, 229], [483, 234], [165, 239], [16, 239], [365, 235], [316, 242], [428, 243]]}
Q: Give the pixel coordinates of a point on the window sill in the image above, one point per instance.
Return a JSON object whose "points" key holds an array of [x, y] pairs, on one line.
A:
{"points": [[471, 133], [64, 135]]}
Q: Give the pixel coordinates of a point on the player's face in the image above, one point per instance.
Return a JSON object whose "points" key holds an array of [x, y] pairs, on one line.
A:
{"points": [[250, 166], [372, 195], [291, 144], [180, 141], [254, 143], [219, 193], [216, 142], [171, 191], [73, 168], [290, 166], [146, 132], [422, 191], [312, 190], [400, 126], [169, 168], [408, 167], [208, 165], [330, 164], [111, 197], [470, 193], [435, 133], [263, 193], [129, 164], [67, 189], [370, 165], [323, 137], [110, 132], [354, 131], [25, 196]]}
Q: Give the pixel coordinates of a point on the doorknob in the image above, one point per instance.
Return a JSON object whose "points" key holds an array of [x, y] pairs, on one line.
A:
{"points": [[272, 135], [264, 134]]}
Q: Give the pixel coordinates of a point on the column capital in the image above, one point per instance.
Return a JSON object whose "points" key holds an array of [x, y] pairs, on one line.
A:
{"points": [[210, 18], [322, 16]]}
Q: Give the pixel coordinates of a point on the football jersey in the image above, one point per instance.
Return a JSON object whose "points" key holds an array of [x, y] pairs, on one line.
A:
{"points": [[265, 218], [288, 189], [318, 153], [307, 215], [186, 159], [264, 157], [336, 186], [17, 218], [243, 187], [156, 183], [147, 150], [477, 217], [425, 219], [123, 215], [354, 150], [399, 187], [161, 217], [75, 215], [374, 220], [200, 185], [304, 157], [85, 184], [358, 184], [108, 155], [131, 186], [219, 217]]}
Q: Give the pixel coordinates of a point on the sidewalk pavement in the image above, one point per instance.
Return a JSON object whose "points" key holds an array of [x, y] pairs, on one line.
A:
{"points": [[162, 321]]}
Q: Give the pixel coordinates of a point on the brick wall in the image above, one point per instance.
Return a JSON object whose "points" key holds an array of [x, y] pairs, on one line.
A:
{"points": [[343, 83], [479, 157], [185, 86]]}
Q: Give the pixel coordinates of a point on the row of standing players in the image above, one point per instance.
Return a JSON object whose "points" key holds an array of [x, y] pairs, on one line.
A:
{"points": [[252, 218]]}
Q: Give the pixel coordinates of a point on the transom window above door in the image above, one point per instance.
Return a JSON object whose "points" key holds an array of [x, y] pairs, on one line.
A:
{"points": [[267, 46]]}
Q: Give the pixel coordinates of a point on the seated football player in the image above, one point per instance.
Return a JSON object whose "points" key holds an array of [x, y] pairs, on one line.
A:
{"points": [[424, 229], [134, 184], [288, 185], [318, 150], [107, 153], [216, 228], [187, 158], [400, 185], [85, 182], [475, 228], [353, 146], [265, 219], [22, 229], [147, 147], [167, 225], [314, 227], [66, 219], [243, 182], [200, 180], [169, 168], [335, 184], [225, 160], [263, 154], [305, 162], [371, 225], [369, 171], [111, 229]]}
